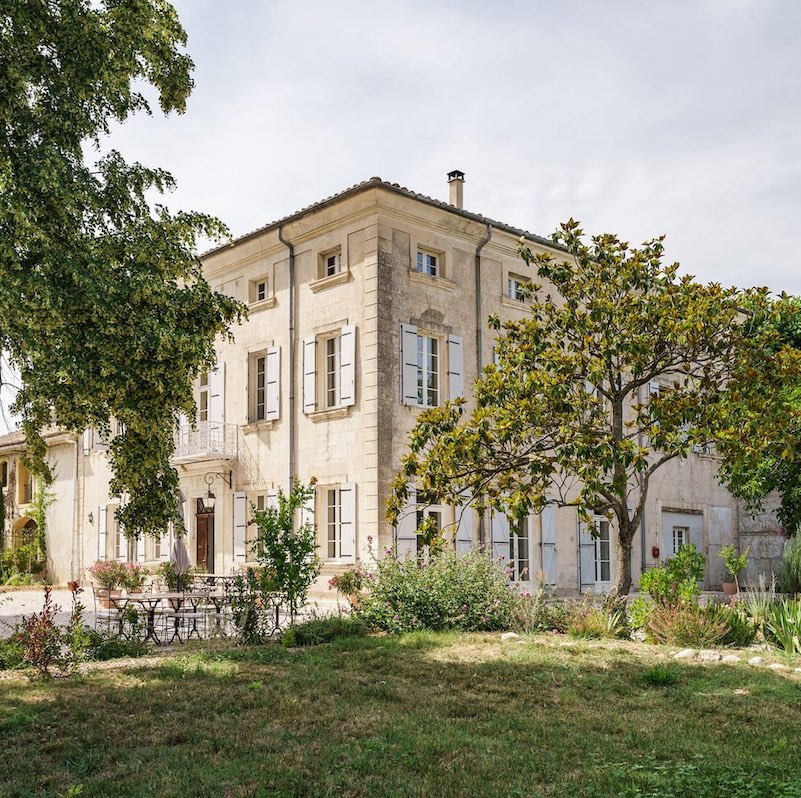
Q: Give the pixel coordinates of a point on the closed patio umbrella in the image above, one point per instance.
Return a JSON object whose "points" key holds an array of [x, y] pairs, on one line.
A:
{"points": [[179, 557]]}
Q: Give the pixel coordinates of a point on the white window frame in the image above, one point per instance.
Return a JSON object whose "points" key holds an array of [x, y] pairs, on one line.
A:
{"points": [[264, 380], [514, 282], [428, 348], [329, 370], [422, 512], [684, 535], [428, 262], [337, 504], [331, 263], [259, 290], [203, 397], [603, 557], [414, 372], [519, 551]]}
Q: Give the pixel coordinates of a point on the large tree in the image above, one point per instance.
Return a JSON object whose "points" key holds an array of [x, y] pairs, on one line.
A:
{"points": [[104, 311], [620, 367]]}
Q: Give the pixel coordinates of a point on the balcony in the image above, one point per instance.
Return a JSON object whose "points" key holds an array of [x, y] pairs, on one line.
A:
{"points": [[207, 440]]}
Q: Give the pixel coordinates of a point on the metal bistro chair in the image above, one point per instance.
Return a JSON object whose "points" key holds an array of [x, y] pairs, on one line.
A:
{"points": [[108, 615]]}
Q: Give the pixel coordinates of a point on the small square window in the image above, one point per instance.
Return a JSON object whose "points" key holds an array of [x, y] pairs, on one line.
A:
{"points": [[516, 287], [259, 290], [428, 263], [330, 263]]}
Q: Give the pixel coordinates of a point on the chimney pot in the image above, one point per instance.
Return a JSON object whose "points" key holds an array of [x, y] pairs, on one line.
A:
{"points": [[456, 185]]}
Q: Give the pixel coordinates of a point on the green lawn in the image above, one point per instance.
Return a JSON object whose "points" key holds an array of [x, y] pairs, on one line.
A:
{"points": [[422, 715]]}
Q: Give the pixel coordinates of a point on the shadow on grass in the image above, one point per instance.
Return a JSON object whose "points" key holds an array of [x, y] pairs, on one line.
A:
{"points": [[422, 715]]}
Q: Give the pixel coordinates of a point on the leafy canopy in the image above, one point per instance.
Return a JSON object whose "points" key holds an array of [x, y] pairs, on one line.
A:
{"points": [[103, 308], [571, 413]]}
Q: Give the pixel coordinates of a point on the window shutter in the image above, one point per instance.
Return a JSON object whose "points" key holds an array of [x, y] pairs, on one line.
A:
{"points": [[101, 532], [587, 576], [272, 409], [309, 375], [347, 366], [499, 532], [464, 529], [122, 543], [347, 520], [548, 521], [409, 365], [86, 440], [140, 548], [217, 394], [406, 529], [455, 366], [240, 525], [164, 546], [271, 500]]}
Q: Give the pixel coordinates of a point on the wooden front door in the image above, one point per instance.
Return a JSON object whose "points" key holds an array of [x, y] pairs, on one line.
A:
{"points": [[204, 551]]}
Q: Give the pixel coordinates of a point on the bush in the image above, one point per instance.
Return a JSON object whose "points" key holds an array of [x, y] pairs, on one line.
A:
{"points": [[639, 612], [783, 625], [676, 580], [536, 613], [323, 630], [742, 628], [103, 646], [790, 573], [661, 676], [11, 654], [687, 625], [470, 592], [607, 620]]}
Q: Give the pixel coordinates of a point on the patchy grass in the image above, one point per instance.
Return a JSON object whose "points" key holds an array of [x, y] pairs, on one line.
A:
{"points": [[419, 715]]}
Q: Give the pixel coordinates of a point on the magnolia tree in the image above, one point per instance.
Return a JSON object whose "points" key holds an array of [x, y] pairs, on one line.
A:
{"points": [[620, 367], [104, 311]]}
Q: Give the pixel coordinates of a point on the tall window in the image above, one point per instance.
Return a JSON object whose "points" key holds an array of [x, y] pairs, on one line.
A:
{"points": [[435, 513], [203, 398], [333, 350], [519, 559], [332, 520], [603, 562], [427, 371], [25, 482], [260, 375], [427, 263]]}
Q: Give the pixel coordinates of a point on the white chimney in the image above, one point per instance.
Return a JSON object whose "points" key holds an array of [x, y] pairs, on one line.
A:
{"points": [[456, 183]]}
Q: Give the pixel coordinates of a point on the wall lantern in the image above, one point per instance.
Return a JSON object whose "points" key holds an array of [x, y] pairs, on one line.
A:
{"points": [[209, 500]]}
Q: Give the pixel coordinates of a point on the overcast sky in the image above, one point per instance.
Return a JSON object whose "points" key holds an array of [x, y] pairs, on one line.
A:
{"points": [[638, 118], [635, 117]]}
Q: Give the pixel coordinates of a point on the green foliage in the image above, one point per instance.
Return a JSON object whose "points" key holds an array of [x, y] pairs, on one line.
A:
{"points": [[687, 625], [661, 675], [639, 612], [588, 620], [567, 399], [758, 599], [468, 592], [172, 579], [538, 613], [349, 583], [323, 630], [288, 554], [103, 645], [676, 580], [105, 312], [109, 574], [790, 571], [783, 625], [11, 653], [735, 563], [251, 599], [742, 629]]}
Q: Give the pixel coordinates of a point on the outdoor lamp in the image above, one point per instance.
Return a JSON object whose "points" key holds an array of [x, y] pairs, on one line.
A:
{"points": [[208, 501]]}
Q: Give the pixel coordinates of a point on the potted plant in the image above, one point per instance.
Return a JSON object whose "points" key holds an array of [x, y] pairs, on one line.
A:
{"points": [[175, 582], [735, 563], [110, 576], [134, 578], [349, 584]]}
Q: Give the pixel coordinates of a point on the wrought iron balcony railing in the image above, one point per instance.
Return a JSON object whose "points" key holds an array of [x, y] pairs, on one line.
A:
{"points": [[206, 440]]}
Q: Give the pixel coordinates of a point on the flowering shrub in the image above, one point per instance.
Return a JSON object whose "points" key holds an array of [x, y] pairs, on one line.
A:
{"points": [[134, 576], [348, 583], [687, 625], [108, 574], [470, 592]]}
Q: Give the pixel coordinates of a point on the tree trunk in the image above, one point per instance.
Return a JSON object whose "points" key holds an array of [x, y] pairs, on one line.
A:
{"points": [[625, 538]]}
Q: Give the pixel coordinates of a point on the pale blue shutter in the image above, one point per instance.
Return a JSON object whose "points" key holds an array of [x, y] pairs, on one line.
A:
{"points": [[499, 532], [140, 548], [101, 532], [347, 520], [548, 521], [464, 529], [587, 575], [347, 366], [409, 365], [406, 529], [455, 367], [240, 525], [309, 375], [272, 366]]}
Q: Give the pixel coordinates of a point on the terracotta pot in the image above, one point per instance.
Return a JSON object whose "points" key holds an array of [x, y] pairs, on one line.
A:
{"points": [[729, 588], [106, 597]]}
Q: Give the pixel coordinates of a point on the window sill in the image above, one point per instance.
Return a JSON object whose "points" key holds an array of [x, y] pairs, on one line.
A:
{"points": [[263, 304], [419, 407], [258, 426], [438, 282], [326, 282], [509, 302], [329, 415]]}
